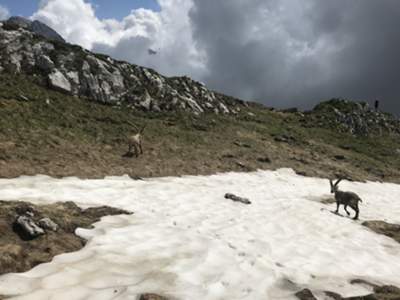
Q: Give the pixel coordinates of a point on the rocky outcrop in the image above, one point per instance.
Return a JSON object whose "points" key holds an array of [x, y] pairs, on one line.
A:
{"points": [[76, 71], [34, 26], [356, 118]]}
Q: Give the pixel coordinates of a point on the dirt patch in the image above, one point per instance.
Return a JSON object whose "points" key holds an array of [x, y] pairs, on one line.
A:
{"points": [[20, 254], [385, 292], [327, 200], [381, 227]]}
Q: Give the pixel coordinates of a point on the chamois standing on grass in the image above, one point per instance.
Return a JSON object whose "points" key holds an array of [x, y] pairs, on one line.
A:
{"points": [[135, 140], [346, 198]]}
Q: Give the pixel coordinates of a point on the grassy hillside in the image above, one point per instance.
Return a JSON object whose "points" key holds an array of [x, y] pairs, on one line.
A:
{"points": [[47, 132]]}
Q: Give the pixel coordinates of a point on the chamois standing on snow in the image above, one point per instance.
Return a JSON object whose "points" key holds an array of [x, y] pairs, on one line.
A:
{"points": [[135, 141], [346, 198]]}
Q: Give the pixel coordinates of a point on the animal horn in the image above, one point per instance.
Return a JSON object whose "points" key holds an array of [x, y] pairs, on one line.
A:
{"points": [[339, 180], [133, 125]]}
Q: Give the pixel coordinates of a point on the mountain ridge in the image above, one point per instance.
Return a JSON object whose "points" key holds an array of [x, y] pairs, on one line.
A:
{"points": [[48, 126], [79, 72]]}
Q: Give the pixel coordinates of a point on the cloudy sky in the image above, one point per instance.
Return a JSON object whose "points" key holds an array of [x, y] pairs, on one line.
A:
{"points": [[279, 52]]}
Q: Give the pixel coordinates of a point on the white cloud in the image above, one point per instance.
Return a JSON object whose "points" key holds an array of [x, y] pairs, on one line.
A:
{"points": [[4, 13], [167, 31], [280, 52], [75, 20]]}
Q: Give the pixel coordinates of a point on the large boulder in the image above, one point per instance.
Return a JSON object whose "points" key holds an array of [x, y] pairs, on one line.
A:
{"points": [[58, 81]]}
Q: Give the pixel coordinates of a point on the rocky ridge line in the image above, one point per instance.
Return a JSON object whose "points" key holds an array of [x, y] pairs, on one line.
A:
{"points": [[355, 118], [79, 72]]}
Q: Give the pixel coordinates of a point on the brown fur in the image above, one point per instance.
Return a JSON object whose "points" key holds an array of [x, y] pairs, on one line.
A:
{"points": [[135, 142]]}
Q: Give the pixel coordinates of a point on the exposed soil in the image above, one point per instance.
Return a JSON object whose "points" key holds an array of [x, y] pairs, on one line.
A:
{"points": [[381, 227], [19, 253], [385, 292]]}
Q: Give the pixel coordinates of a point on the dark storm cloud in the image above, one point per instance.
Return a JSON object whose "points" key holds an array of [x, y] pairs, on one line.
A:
{"points": [[298, 52]]}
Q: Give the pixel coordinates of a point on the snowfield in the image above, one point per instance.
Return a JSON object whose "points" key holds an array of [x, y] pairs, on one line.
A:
{"points": [[186, 241]]}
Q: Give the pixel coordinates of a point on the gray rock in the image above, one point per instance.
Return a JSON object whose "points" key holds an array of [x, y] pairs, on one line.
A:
{"points": [[45, 31], [29, 226], [305, 294], [73, 76], [48, 224], [33, 26], [78, 72], [237, 198], [58, 81], [18, 22], [45, 63], [146, 101]]}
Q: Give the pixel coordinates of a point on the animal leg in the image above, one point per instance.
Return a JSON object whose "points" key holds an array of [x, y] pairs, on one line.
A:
{"points": [[356, 216], [136, 151], [355, 208], [140, 147], [337, 207], [345, 208]]}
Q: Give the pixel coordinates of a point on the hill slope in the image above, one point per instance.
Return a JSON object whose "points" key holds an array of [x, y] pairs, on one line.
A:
{"points": [[65, 111], [47, 132], [76, 71]]}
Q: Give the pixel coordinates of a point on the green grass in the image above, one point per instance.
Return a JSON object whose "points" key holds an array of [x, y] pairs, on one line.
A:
{"points": [[59, 135]]}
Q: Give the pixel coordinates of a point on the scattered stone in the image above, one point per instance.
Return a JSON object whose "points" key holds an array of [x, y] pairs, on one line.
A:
{"points": [[200, 127], [237, 198], [305, 294], [345, 147], [23, 98], [264, 159], [240, 144], [48, 224], [385, 292], [301, 173], [388, 290], [240, 164], [283, 138], [339, 157], [29, 227]]}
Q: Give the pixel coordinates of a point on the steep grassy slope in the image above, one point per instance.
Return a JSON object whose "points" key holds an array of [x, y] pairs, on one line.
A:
{"points": [[47, 132]]}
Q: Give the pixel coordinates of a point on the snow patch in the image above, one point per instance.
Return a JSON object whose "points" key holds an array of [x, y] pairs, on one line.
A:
{"points": [[186, 241]]}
